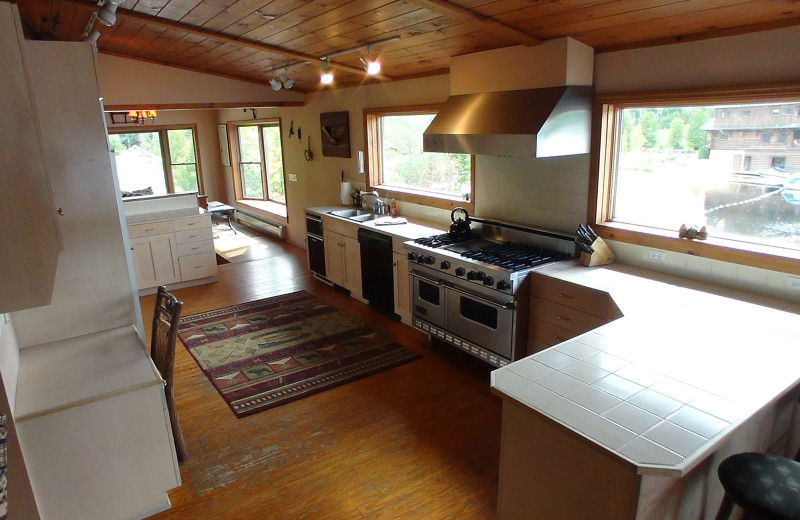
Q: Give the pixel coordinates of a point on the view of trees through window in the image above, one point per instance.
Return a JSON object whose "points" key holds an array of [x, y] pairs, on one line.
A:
{"points": [[261, 162], [734, 169], [405, 165], [143, 163]]}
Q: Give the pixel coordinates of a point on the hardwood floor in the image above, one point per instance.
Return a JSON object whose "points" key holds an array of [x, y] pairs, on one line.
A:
{"points": [[418, 441]]}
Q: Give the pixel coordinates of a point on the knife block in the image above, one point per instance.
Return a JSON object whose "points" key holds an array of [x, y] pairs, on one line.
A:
{"points": [[602, 255]]}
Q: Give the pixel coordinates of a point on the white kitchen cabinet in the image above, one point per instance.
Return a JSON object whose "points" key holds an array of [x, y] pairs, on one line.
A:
{"points": [[402, 287], [172, 243], [343, 255], [29, 237], [156, 260]]}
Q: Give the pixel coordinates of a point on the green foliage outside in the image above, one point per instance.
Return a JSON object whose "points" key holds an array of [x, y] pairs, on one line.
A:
{"points": [[671, 128], [406, 165], [251, 165]]}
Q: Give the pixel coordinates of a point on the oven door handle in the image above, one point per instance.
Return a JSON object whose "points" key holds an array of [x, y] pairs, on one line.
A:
{"points": [[507, 306], [426, 279]]}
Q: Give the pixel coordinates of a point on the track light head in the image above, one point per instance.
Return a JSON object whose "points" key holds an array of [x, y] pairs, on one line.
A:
{"points": [[275, 84], [108, 14], [92, 37], [287, 81], [327, 76]]}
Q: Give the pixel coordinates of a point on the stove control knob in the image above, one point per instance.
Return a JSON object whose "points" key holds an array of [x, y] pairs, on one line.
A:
{"points": [[429, 260], [471, 275], [460, 271], [445, 265], [412, 256], [488, 280], [479, 275], [420, 259], [502, 285]]}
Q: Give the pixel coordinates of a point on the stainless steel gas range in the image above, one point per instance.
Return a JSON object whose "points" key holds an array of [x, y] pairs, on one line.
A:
{"points": [[472, 292]]}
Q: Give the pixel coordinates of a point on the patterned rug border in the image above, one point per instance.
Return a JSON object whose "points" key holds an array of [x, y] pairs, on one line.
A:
{"points": [[346, 355]]}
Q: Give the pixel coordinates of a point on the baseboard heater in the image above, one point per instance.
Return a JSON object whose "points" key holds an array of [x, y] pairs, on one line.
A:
{"points": [[262, 224]]}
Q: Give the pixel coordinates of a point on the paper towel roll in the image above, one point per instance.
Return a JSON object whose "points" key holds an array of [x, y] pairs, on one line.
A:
{"points": [[347, 189]]}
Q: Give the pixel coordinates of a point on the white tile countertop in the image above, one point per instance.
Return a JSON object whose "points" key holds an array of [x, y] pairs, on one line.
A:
{"points": [[170, 214], [662, 386]]}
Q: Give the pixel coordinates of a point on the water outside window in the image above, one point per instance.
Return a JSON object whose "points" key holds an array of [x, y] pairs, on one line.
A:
{"points": [[405, 165], [734, 169]]}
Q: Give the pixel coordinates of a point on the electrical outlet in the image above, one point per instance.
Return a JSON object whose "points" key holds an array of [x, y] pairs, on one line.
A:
{"points": [[292, 177], [655, 255], [793, 283]]}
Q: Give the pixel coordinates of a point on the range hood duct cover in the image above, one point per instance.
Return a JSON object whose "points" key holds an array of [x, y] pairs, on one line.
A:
{"points": [[541, 122]]}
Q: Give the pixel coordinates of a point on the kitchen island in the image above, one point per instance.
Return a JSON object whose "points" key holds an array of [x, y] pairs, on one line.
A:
{"points": [[630, 420]]}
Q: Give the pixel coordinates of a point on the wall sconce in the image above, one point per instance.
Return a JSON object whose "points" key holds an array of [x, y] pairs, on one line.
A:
{"points": [[327, 76]]}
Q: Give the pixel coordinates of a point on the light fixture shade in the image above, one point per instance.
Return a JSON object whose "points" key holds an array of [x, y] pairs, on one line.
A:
{"points": [[287, 81], [108, 14], [275, 84]]}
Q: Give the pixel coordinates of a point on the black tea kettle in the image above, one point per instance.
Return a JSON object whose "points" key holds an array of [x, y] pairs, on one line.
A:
{"points": [[459, 229]]}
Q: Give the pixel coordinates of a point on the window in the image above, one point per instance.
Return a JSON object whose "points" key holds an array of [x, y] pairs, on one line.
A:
{"points": [[157, 160], [766, 137], [260, 162], [723, 136], [398, 165], [659, 167], [783, 138]]}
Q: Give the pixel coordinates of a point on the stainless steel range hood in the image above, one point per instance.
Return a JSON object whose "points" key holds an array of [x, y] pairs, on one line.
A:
{"points": [[540, 122]]}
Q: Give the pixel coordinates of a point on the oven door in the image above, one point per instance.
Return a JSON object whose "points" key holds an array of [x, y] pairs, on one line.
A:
{"points": [[486, 323], [428, 299]]}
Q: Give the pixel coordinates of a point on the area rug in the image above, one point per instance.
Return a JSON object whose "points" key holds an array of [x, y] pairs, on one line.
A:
{"points": [[268, 352]]}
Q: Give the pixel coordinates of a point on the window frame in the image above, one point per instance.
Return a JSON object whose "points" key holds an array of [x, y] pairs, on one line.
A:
{"points": [[238, 188], [373, 168], [601, 177], [166, 157]]}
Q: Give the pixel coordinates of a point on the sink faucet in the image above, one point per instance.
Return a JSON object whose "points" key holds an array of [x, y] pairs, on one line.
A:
{"points": [[378, 197], [381, 207]]}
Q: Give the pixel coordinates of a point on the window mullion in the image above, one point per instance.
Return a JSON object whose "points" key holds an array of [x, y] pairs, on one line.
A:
{"points": [[166, 159], [262, 150]]}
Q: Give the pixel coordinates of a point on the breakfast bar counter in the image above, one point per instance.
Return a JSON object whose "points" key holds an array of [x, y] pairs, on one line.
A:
{"points": [[631, 419]]}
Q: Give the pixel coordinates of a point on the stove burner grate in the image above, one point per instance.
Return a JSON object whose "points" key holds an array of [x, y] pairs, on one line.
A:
{"points": [[514, 256], [436, 241]]}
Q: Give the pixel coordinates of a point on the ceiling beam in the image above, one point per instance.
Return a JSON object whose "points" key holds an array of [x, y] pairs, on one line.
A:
{"points": [[206, 33], [448, 9]]}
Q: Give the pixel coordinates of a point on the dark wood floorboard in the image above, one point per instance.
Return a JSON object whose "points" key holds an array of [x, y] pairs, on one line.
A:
{"points": [[418, 441]]}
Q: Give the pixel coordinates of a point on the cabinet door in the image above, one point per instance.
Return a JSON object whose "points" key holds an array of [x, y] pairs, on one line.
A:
{"points": [[402, 287], [334, 257], [156, 260], [351, 255]]}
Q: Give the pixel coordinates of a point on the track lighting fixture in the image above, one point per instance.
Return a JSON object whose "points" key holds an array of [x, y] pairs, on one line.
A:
{"points": [[327, 76], [371, 66], [108, 14], [92, 37], [283, 80]]}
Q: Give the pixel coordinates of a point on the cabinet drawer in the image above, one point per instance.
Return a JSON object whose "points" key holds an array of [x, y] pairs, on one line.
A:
{"points": [[574, 296], [193, 248], [563, 316], [185, 224], [198, 266], [348, 229], [548, 334], [151, 228], [194, 235]]}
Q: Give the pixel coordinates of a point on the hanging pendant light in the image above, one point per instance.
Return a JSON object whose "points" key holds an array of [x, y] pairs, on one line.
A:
{"points": [[327, 76]]}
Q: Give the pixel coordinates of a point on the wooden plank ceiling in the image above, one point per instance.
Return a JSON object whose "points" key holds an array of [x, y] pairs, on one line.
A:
{"points": [[254, 40]]}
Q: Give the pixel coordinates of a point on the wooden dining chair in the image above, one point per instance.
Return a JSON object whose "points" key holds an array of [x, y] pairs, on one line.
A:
{"points": [[166, 317]]}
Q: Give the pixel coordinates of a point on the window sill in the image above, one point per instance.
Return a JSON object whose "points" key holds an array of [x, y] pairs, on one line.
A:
{"points": [[743, 253], [423, 198], [266, 208]]}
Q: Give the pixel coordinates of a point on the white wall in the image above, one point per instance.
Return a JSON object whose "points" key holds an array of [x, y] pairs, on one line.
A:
{"points": [[124, 81]]}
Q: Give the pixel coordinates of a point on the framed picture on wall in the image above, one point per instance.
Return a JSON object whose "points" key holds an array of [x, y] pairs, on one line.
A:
{"points": [[224, 151], [335, 134]]}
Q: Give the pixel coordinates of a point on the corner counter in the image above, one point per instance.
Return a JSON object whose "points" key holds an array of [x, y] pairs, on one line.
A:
{"points": [[631, 419]]}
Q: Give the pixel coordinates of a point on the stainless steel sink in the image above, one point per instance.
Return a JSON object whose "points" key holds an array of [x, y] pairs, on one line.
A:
{"points": [[365, 217], [350, 213]]}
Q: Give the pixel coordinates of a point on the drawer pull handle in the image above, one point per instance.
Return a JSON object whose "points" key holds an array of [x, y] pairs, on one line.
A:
{"points": [[150, 229], [565, 295], [564, 318]]}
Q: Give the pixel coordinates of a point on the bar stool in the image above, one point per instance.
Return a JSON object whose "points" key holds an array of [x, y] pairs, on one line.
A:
{"points": [[766, 487]]}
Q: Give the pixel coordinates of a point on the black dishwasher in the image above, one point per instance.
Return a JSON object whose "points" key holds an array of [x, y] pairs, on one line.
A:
{"points": [[377, 274]]}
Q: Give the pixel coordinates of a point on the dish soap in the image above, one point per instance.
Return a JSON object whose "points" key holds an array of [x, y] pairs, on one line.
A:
{"points": [[394, 209]]}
